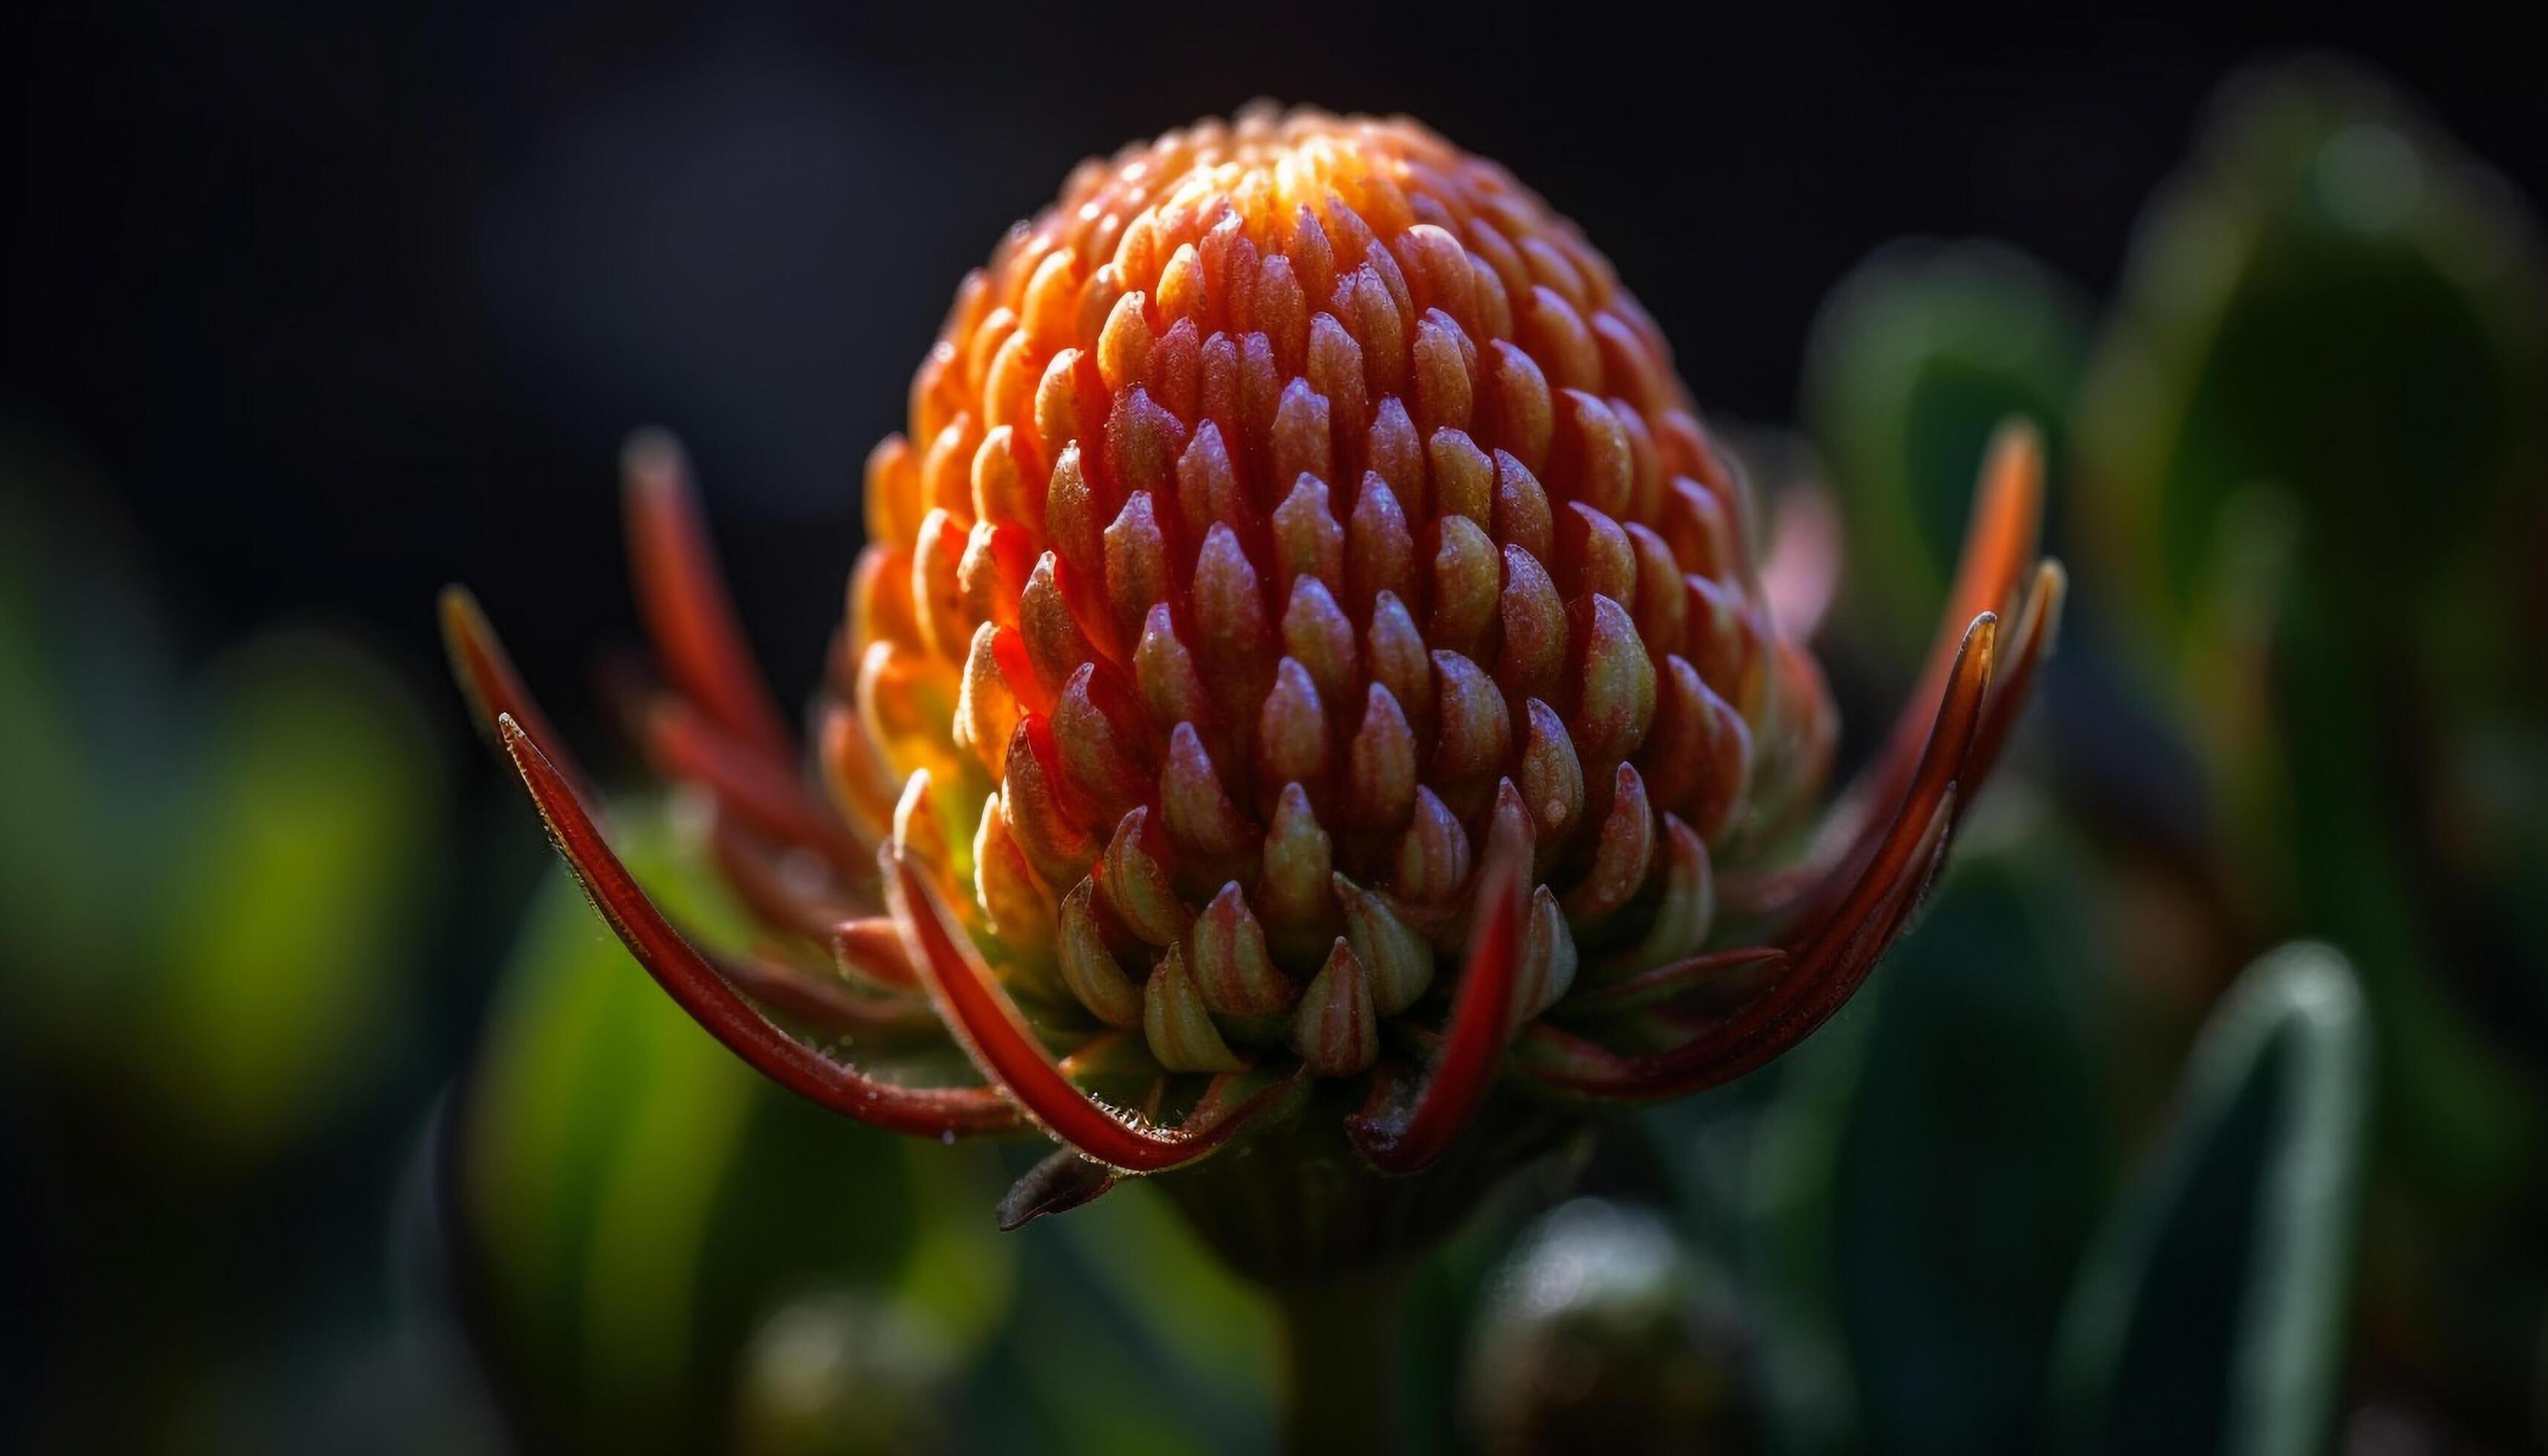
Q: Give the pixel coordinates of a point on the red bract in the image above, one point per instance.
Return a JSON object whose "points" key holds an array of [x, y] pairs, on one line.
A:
{"points": [[1307, 640]]}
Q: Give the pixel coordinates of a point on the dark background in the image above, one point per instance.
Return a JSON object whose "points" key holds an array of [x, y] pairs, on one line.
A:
{"points": [[347, 302]]}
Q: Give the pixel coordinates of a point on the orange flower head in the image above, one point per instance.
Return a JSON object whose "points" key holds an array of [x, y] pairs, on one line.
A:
{"points": [[1306, 639]]}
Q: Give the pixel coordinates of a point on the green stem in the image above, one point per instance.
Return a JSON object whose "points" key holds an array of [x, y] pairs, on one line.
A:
{"points": [[1341, 1362]]}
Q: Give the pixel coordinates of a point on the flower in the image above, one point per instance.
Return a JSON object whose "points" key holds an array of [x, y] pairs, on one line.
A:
{"points": [[1307, 652]]}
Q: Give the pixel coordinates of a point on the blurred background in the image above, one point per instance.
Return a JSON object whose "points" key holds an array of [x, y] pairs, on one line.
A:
{"points": [[330, 1119]]}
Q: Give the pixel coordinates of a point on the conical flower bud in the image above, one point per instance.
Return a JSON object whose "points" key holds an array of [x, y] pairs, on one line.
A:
{"points": [[1304, 606]]}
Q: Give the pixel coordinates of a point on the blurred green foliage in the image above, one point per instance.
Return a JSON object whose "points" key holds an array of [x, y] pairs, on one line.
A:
{"points": [[2296, 473], [2211, 1312], [216, 886], [2316, 433], [230, 870], [674, 1253], [1958, 1209], [1909, 1201], [2332, 301]]}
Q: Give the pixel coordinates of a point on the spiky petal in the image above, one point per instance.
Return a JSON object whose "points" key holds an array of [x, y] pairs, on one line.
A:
{"points": [[693, 983]]}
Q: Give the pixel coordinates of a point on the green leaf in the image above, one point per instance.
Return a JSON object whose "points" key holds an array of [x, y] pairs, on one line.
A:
{"points": [[1974, 1155], [2210, 1316], [2459, 1121], [2312, 440]]}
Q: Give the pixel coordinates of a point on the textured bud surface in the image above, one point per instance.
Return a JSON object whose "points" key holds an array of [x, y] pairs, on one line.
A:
{"points": [[1337, 484]]}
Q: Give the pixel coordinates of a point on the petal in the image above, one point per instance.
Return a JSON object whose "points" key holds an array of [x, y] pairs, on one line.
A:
{"points": [[682, 594], [822, 1001], [760, 791], [694, 986], [494, 688], [766, 879], [1998, 544], [1741, 968], [996, 1035], [871, 948], [2039, 626], [1767, 1023]]}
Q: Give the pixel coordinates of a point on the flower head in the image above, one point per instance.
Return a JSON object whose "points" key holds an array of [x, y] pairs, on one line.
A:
{"points": [[1307, 640]]}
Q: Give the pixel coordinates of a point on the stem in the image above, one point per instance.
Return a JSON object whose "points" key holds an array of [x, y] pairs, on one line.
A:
{"points": [[1341, 1362]]}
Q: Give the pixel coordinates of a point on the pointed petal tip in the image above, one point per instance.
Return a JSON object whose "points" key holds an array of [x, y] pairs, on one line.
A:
{"points": [[682, 594], [459, 610], [2039, 625], [653, 457], [2019, 439], [869, 947], [2000, 542], [478, 662], [1981, 635], [2052, 589]]}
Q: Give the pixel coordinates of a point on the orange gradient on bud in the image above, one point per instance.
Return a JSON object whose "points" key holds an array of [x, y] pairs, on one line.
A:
{"points": [[1305, 630]]}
